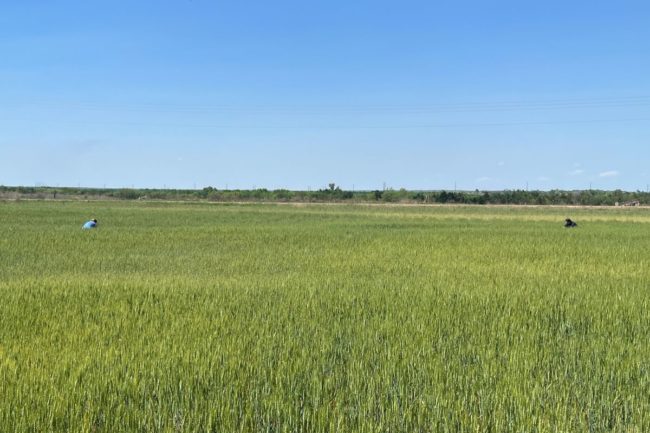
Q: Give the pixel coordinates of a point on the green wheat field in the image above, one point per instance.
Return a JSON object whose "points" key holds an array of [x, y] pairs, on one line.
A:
{"points": [[200, 317]]}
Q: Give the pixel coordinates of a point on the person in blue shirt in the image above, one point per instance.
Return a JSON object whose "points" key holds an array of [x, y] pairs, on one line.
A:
{"points": [[90, 224]]}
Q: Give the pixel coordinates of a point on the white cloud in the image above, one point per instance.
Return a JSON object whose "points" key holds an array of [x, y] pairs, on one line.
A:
{"points": [[610, 173], [576, 172], [483, 179]]}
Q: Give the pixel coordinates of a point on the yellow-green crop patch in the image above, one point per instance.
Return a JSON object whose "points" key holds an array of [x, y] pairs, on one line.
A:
{"points": [[323, 318]]}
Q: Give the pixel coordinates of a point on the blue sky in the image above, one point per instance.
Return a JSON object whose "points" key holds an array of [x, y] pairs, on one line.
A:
{"points": [[294, 94]]}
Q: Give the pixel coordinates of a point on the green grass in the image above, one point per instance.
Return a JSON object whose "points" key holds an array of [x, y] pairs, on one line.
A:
{"points": [[275, 318]]}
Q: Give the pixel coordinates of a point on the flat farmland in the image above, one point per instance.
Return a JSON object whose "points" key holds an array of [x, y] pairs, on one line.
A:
{"points": [[197, 317]]}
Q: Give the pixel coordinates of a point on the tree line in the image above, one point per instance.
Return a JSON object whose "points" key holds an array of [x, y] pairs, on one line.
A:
{"points": [[333, 193]]}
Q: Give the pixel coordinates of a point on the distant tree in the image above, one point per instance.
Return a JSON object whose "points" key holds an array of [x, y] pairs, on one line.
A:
{"points": [[390, 196], [127, 194], [419, 196], [282, 194]]}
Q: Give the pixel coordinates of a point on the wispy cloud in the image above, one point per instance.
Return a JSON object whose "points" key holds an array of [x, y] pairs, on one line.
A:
{"points": [[610, 173], [483, 179], [576, 172]]}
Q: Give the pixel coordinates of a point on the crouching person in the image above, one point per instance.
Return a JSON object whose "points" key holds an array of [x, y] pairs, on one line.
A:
{"points": [[90, 224], [569, 223]]}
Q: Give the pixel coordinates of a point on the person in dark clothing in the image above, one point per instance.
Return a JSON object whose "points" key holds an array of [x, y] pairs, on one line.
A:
{"points": [[569, 223]]}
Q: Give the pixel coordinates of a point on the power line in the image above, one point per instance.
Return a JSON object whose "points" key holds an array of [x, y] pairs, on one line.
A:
{"points": [[340, 126], [315, 109]]}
